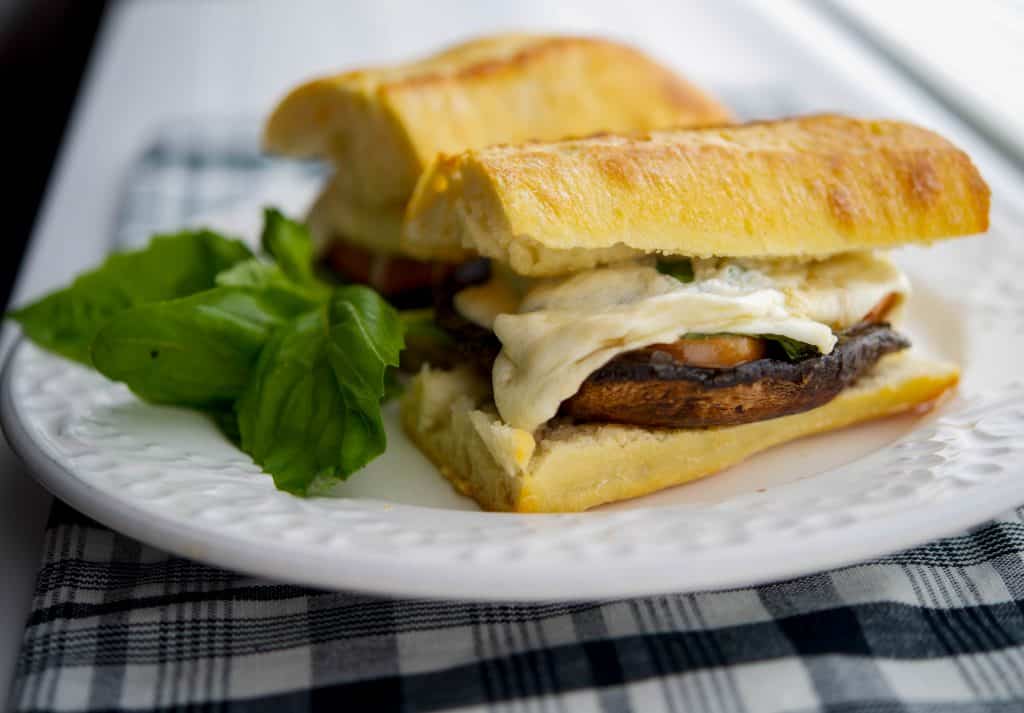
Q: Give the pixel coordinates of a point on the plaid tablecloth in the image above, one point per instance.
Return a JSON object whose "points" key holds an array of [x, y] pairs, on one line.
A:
{"points": [[117, 625]]}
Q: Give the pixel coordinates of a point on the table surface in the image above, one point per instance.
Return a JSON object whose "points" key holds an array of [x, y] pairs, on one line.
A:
{"points": [[158, 61]]}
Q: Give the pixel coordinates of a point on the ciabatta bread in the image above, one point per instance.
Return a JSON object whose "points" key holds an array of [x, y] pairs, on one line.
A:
{"points": [[570, 468], [385, 125], [809, 186]]}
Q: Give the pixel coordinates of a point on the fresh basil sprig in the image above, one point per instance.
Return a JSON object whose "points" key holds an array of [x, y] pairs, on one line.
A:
{"points": [[311, 413], [289, 367]]}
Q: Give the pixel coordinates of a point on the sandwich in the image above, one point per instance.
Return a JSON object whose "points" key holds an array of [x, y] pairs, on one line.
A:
{"points": [[636, 311], [382, 127]]}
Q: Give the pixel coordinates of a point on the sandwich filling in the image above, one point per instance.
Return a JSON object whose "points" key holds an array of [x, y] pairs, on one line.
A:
{"points": [[404, 282], [359, 243], [555, 334]]}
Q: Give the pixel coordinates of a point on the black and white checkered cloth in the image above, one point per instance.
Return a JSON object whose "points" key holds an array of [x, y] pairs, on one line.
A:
{"points": [[117, 625]]}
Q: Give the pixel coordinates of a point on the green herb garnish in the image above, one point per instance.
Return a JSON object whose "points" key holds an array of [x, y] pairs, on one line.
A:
{"points": [[195, 351], [171, 266], [795, 351], [289, 367], [311, 413], [679, 268]]}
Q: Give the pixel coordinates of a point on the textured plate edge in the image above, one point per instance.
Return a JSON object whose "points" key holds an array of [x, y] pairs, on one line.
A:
{"points": [[518, 581]]}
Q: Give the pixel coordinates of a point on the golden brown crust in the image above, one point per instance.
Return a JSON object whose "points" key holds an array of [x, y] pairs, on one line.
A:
{"points": [[385, 125], [797, 187], [572, 468], [526, 50]]}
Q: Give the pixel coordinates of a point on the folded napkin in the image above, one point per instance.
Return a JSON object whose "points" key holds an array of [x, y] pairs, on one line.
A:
{"points": [[117, 625]]}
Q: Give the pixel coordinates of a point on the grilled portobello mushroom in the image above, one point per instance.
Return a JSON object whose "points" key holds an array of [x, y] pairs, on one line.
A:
{"points": [[648, 387]]}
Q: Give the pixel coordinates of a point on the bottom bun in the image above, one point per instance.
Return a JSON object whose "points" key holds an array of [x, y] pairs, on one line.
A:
{"points": [[569, 468]]}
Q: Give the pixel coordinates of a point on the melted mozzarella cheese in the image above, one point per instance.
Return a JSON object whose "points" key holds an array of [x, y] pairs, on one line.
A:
{"points": [[564, 330], [480, 304]]}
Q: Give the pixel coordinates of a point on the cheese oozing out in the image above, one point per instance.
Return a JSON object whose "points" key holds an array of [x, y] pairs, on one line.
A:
{"points": [[481, 304], [560, 331]]}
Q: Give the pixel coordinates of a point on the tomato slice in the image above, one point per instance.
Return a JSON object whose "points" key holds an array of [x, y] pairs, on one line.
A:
{"points": [[388, 274], [714, 352]]}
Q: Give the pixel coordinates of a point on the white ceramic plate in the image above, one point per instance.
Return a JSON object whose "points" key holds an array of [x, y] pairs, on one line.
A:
{"points": [[166, 477]]}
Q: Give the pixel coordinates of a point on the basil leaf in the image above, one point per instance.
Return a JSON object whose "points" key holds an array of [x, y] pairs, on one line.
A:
{"points": [[679, 268], [292, 417], [290, 370], [171, 266], [253, 272], [425, 341], [291, 246], [421, 325], [226, 421], [366, 337], [196, 351], [393, 385], [794, 350], [260, 274], [311, 413]]}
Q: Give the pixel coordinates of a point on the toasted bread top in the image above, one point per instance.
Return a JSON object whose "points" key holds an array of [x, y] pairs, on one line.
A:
{"points": [[384, 125], [798, 187]]}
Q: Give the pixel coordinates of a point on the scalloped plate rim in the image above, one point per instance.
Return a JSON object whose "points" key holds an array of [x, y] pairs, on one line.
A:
{"points": [[516, 580]]}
